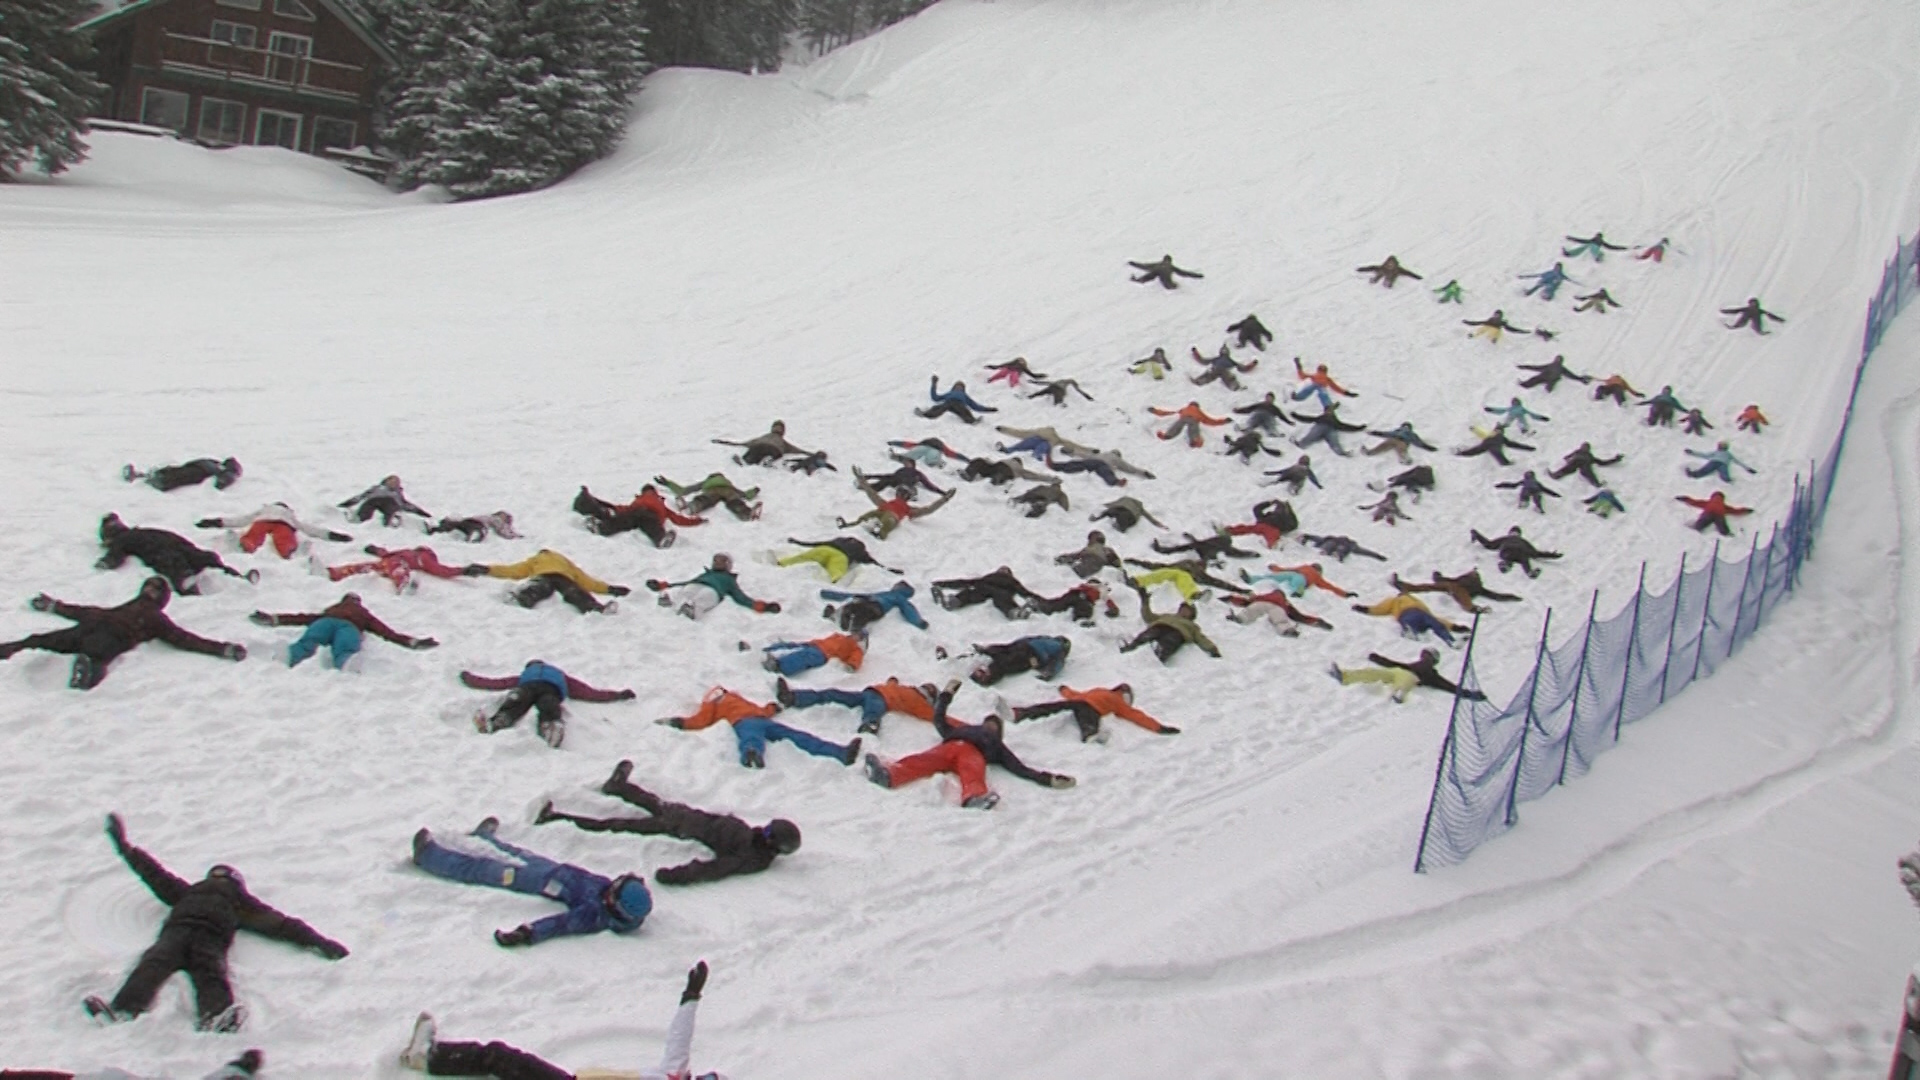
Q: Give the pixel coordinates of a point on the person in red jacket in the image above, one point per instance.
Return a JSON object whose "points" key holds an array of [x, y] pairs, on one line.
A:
{"points": [[1751, 419], [754, 727], [340, 628], [541, 687], [1189, 418], [1089, 707], [1714, 512], [965, 750], [397, 565], [648, 512], [98, 636]]}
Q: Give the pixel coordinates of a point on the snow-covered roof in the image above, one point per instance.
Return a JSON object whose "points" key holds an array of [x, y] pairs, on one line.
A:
{"points": [[103, 12]]}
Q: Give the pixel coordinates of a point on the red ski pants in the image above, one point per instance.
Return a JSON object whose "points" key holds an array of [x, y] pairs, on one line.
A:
{"points": [[282, 535], [958, 758]]}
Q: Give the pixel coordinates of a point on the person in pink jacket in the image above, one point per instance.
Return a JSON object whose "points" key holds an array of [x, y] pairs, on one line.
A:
{"points": [[427, 1053]]}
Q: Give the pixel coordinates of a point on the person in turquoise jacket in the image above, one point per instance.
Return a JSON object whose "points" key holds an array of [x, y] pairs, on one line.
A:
{"points": [[1720, 461], [594, 902], [703, 592]]}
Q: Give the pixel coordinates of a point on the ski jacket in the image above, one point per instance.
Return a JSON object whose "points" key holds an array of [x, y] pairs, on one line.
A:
{"points": [[1110, 702], [385, 490], [1752, 415], [955, 395], [897, 599], [654, 501], [988, 741], [1311, 574], [1404, 434], [220, 905], [1320, 378], [278, 513], [538, 672], [140, 619], [723, 704], [1716, 504], [1127, 504], [548, 561], [1190, 411], [349, 610], [1394, 606], [904, 699], [1179, 624], [842, 647], [152, 546], [1721, 457]]}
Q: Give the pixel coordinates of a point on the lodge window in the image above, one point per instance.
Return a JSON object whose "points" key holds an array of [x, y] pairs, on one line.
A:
{"points": [[164, 108], [271, 127], [330, 132], [294, 9], [238, 34], [248, 5], [220, 121]]}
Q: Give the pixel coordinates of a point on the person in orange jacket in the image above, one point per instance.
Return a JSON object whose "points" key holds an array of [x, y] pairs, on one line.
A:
{"points": [[1714, 512], [874, 702], [754, 727], [1318, 382], [1751, 419], [794, 657], [1189, 418], [1310, 573], [1089, 707], [648, 512]]}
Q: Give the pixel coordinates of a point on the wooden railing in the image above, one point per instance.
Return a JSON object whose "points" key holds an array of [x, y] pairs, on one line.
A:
{"points": [[262, 65]]}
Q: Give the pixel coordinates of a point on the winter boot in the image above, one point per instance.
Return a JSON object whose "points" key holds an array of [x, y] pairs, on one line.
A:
{"points": [[420, 1045], [981, 802], [753, 759], [619, 778], [782, 693], [877, 772], [97, 1007], [853, 752], [553, 731], [86, 673], [226, 1021]]}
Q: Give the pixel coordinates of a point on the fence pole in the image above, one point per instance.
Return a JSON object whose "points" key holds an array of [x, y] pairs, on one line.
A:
{"points": [[1706, 610], [1666, 666], [1766, 577], [1740, 607], [1793, 535], [1446, 746], [1533, 693], [1579, 677], [1633, 642]]}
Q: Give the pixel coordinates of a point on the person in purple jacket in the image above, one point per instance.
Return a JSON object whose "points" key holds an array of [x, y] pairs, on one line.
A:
{"points": [[594, 902], [540, 687]]}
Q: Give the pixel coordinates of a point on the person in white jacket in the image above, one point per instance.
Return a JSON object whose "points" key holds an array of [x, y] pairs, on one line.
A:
{"points": [[426, 1053], [275, 523]]}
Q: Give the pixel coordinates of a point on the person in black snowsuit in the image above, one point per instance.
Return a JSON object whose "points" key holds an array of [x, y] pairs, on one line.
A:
{"points": [[1530, 490], [999, 473], [1387, 271], [1583, 461], [1695, 422], [1463, 589], [1210, 549], [99, 635], [170, 555], [1078, 603], [1427, 670], [1035, 500], [1338, 548], [1249, 332], [1091, 559], [1751, 314], [475, 529], [1096, 466], [1000, 588], [1044, 656], [384, 498], [1414, 481], [766, 449], [1296, 476], [1514, 550], [1547, 376], [1125, 513], [1162, 271], [1263, 415], [1221, 368], [1495, 444], [738, 848], [1248, 443], [198, 471], [199, 929], [1055, 390]]}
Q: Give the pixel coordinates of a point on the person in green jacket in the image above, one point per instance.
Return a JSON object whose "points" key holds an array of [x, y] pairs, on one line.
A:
{"points": [[715, 490], [1167, 634], [703, 592]]}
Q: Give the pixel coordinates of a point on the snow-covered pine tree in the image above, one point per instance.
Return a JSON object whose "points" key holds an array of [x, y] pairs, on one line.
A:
{"points": [[504, 96], [45, 93], [829, 24], [737, 35]]}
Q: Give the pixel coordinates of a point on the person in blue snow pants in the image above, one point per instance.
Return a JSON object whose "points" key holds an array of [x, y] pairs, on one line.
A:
{"points": [[340, 637], [871, 705], [1416, 622], [755, 732], [594, 903], [794, 657]]}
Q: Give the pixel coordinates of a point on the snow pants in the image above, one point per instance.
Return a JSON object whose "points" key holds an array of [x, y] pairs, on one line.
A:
{"points": [[832, 560], [340, 637], [755, 732], [871, 705], [545, 585], [97, 643], [1399, 682], [1416, 622], [495, 1059], [1032, 444], [958, 758], [740, 508], [1260, 529], [1323, 433], [1313, 390], [646, 521], [1163, 640], [1180, 580], [663, 818], [698, 598], [1098, 468], [528, 873], [1187, 425], [285, 540], [942, 408], [1706, 467], [199, 952], [541, 697], [794, 658], [1273, 613], [386, 506]]}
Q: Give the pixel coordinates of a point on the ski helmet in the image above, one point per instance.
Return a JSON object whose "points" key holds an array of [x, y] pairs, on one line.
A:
{"points": [[628, 898], [785, 835]]}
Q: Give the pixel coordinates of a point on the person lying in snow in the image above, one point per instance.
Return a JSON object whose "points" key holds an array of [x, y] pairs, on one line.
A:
{"points": [[1089, 707], [738, 848], [167, 554], [1042, 655], [1264, 415], [99, 636], [1126, 512], [1000, 588], [965, 750], [1514, 550], [1189, 417], [1221, 368], [274, 522], [1387, 272], [1338, 548], [1166, 634], [1714, 512], [1250, 333], [703, 592], [889, 514], [384, 498], [1414, 617], [874, 702], [1163, 271], [594, 902], [1583, 461], [339, 627], [475, 529], [198, 471], [243, 1067], [1615, 388], [714, 490], [1274, 607], [837, 556], [754, 727], [857, 611], [202, 919], [1011, 371], [427, 1052], [954, 400], [795, 657], [1326, 427], [1529, 491], [1464, 589], [547, 572], [1400, 441], [1751, 314], [397, 566], [539, 687], [647, 512], [1547, 376], [766, 449]]}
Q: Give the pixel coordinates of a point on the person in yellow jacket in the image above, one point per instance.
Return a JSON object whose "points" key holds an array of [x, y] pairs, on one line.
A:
{"points": [[1414, 617], [548, 572]]}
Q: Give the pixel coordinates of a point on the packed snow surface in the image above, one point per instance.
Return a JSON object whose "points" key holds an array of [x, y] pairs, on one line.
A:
{"points": [[1717, 898]]}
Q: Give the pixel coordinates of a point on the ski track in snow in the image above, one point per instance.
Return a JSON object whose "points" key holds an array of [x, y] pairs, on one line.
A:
{"points": [[962, 188]]}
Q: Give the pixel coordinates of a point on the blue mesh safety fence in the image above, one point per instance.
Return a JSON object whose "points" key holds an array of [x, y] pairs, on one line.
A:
{"points": [[1610, 672]]}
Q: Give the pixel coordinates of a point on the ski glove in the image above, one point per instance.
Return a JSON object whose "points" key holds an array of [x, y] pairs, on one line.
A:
{"points": [[1056, 780], [332, 950], [696, 982], [261, 618], [475, 570], [117, 832], [618, 590], [234, 651], [209, 523], [519, 935], [42, 602], [423, 643]]}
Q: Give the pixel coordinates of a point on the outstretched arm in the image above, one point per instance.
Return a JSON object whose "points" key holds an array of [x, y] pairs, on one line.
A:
{"points": [[261, 919], [165, 887], [489, 682]]}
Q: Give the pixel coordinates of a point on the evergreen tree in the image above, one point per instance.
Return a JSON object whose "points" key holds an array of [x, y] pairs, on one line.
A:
{"points": [[737, 35], [503, 96], [45, 94]]}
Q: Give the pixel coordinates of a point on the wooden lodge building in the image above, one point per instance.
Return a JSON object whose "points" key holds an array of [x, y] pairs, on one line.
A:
{"points": [[294, 73]]}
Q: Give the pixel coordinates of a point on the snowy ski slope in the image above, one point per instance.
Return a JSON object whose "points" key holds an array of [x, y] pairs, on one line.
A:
{"points": [[1717, 898]]}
